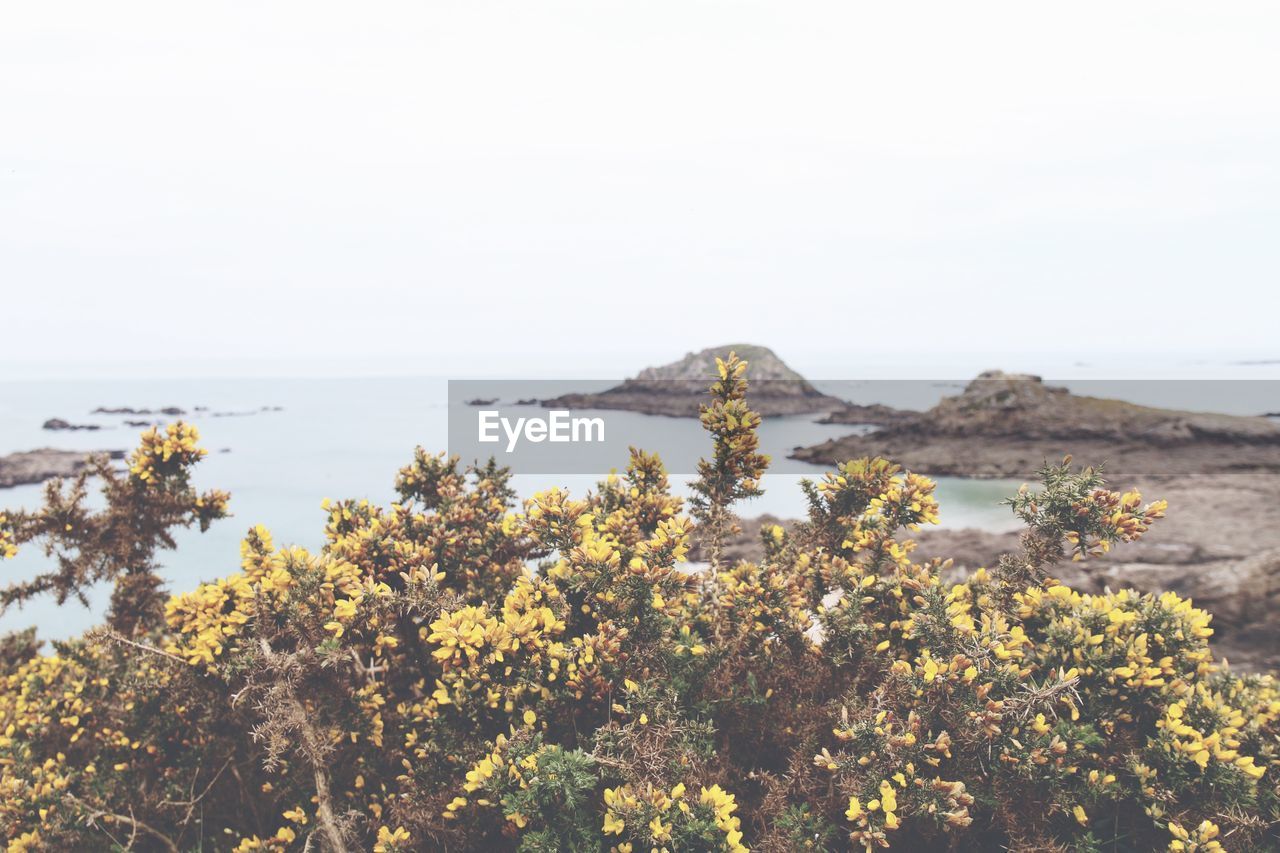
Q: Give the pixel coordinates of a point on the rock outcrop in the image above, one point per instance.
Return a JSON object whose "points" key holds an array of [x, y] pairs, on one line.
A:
{"points": [[680, 388], [876, 414], [58, 424], [171, 411], [36, 466], [1009, 425]]}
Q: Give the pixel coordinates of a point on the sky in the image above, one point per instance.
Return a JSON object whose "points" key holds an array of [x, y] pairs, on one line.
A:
{"points": [[543, 187]]}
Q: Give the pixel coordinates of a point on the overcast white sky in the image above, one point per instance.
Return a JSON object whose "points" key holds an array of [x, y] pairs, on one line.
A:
{"points": [[442, 186]]}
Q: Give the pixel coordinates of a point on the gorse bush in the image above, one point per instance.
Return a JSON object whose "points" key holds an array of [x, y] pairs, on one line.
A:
{"points": [[448, 673]]}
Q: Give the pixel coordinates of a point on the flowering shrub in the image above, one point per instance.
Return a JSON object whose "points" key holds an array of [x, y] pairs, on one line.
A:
{"points": [[454, 672]]}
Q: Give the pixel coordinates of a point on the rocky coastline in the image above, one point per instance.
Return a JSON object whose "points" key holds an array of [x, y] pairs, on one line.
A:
{"points": [[36, 466], [1008, 425], [875, 414]]}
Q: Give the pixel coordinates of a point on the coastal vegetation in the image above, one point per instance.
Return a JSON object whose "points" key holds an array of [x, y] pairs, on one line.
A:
{"points": [[456, 672]]}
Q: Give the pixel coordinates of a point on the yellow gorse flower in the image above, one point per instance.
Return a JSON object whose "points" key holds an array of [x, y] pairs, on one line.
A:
{"points": [[457, 668], [166, 453]]}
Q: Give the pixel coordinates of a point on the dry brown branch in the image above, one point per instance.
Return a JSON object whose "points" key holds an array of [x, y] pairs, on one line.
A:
{"points": [[95, 814], [315, 748], [106, 634]]}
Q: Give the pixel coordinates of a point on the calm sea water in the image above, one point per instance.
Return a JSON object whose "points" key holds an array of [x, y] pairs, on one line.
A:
{"points": [[345, 438]]}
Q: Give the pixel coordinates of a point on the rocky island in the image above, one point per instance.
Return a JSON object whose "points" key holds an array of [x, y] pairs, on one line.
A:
{"points": [[679, 389], [1009, 425], [171, 411], [58, 424], [36, 466]]}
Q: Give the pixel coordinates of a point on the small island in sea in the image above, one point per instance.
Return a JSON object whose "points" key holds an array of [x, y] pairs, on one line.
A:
{"points": [[679, 389]]}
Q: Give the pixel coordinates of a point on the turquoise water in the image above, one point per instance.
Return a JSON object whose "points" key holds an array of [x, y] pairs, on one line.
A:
{"points": [[336, 438]]}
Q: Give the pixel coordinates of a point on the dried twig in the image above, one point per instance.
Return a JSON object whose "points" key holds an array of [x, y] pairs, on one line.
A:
{"points": [[96, 814], [315, 748], [116, 637]]}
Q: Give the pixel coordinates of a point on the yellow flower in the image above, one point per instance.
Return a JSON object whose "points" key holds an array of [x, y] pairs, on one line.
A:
{"points": [[658, 830], [391, 839], [344, 608], [888, 797]]}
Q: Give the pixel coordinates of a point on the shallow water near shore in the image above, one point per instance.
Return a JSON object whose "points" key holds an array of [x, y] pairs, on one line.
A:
{"points": [[280, 446]]}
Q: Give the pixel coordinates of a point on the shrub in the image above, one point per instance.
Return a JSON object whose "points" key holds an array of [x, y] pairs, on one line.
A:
{"points": [[448, 673]]}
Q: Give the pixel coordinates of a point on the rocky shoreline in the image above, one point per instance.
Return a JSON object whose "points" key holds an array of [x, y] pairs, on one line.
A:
{"points": [[36, 466], [874, 414], [1009, 425]]}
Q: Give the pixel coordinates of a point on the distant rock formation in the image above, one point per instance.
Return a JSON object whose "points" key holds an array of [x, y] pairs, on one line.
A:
{"points": [[680, 388], [171, 411], [36, 466], [57, 424], [1021, 405], [876, 414], [1008, 425], [245, 414], [174, 411]]}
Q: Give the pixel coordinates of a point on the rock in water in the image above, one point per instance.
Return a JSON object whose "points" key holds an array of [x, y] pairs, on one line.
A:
{"points": [[36, 466], [56, 424], [678, 389], [171, 411]]}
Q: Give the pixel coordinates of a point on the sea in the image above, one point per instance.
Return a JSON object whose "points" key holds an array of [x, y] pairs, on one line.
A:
{"points": [[281, 446]]}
